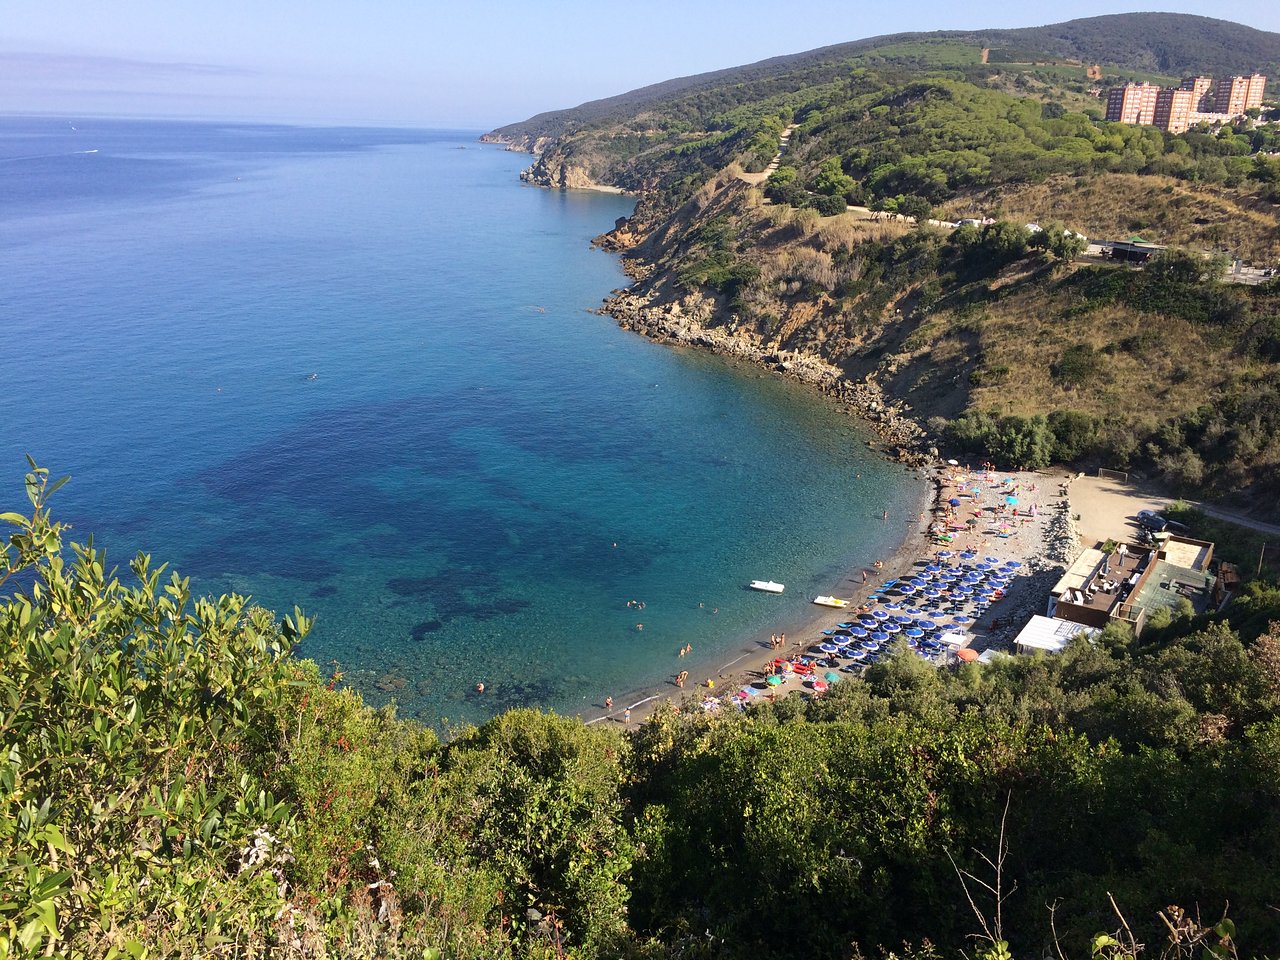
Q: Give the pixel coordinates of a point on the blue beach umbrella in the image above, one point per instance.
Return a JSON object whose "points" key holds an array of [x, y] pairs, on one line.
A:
{"points": [[857, 631], [827, 647], [961, 618], [831, 677], [945, 554], [891, 627], [992, 559], [913, 611], [893, 606], [927, 625], [1012, 563], [879, 637], [933, 594], [954, 501], [933, 568], [880, 614], [914, 632], [968, 555], [907, 589], [901, 618]]}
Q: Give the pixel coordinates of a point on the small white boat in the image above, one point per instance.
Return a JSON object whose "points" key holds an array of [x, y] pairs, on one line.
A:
{"points": [[768, 586], [830, 602]]}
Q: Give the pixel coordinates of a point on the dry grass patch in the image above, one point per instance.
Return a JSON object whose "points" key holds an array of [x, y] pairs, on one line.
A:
{"points": [[1115, 206]]}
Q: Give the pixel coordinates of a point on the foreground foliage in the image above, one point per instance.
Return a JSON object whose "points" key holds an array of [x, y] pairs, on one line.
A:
{"points": [[176, 784]]}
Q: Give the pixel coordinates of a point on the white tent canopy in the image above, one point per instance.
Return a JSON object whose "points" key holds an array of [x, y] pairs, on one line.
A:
{"points": [[1048, 634]]}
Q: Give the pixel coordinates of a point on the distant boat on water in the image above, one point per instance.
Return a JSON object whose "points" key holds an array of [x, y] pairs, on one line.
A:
{"points": [[768, 586]]}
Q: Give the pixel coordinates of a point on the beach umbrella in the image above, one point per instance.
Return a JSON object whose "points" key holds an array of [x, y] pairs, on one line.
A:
{"points": [[945, 554], [961, 618], [1011, 501], [774, 680], [933, 594], [893, 606], [891, 627], [914, 611], [991, 559], [880, 614], [819, 686], [982, 566], [907, 589], [857, 631], [972, 521], [1012, 563], [878, 637], [831, 676], [954, 501], [927, 625], [968, 555], [870, 623], [827, 647], [901, 618], [966, 654], [914, 632], [933, 568]]}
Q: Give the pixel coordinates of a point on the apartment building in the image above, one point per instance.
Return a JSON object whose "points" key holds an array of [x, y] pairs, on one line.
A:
{"points": [[1133, 103], [1196, 99]]}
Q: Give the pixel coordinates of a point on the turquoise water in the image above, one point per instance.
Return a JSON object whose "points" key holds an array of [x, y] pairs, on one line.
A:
{"points": [[357, 370]]}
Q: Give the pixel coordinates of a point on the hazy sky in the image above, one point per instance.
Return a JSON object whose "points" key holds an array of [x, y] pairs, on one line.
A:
{"points": [[469, 64]]}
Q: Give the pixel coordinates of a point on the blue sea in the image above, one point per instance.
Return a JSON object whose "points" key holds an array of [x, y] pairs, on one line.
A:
{"points": [[357, 370]]}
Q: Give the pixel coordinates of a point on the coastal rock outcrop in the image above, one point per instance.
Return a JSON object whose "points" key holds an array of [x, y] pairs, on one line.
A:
{"points": [[691, 321]]}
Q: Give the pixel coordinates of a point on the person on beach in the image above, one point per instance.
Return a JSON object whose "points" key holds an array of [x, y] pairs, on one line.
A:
{"points": [[626, 716], [479, 688], [864, 576], [681, 677]]}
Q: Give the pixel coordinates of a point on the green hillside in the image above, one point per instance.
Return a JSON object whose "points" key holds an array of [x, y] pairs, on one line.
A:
{"points": [[916, 127], [1133, 43]]}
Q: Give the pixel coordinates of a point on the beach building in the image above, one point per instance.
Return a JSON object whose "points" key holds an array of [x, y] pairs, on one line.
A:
{"points": [[1132, 581], [1049, 635]]}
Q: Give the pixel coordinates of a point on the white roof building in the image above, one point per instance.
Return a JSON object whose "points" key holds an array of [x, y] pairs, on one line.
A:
{"points": [[1049, 635]]}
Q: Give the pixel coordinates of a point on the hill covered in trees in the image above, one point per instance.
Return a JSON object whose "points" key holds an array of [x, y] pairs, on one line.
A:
{"points": [[1001, 338], [1139, 43]]}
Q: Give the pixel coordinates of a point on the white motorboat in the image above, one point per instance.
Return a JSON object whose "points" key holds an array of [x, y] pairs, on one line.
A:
{"points": [[768, 586], [830, 602]]}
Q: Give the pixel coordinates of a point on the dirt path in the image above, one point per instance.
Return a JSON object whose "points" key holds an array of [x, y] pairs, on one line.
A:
{"points": [[755, 179]]}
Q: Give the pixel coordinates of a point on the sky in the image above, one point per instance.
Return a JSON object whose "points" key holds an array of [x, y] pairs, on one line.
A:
{"points": [[424, 63]]}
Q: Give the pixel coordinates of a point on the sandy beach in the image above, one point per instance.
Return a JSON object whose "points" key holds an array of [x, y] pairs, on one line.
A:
{"points": [[1033, 531]]}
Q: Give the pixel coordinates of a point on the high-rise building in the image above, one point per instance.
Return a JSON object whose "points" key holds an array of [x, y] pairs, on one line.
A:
{"points": [[1253, 95], [1132, 103], [1232, 95], [1199, 87], [1173, 110], [1195, 100]]}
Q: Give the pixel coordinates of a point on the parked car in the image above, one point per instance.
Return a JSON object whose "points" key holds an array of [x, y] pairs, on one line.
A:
{"points": [[1152, 521]]}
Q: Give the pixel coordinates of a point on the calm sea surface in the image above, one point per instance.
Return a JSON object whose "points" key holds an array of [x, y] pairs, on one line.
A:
{"points": [[356, 370]]}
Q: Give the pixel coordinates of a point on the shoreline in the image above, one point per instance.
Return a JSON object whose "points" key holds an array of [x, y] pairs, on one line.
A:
{"points": [[739, 664]]}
